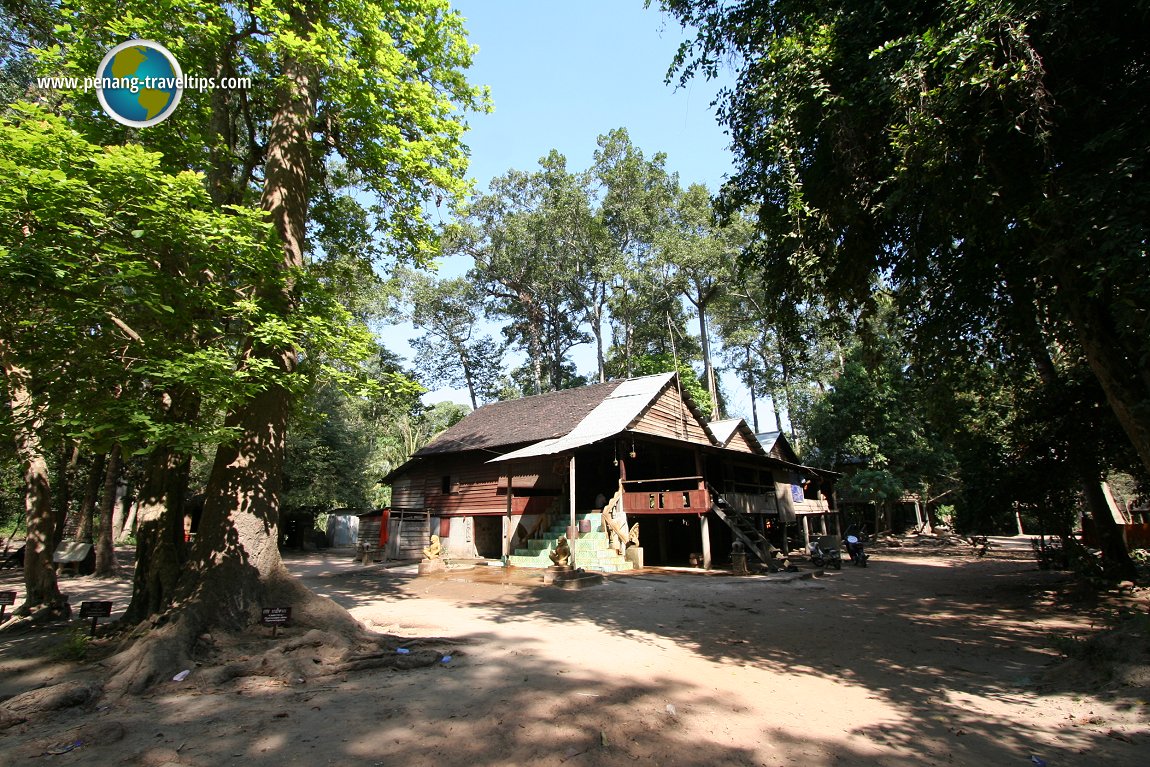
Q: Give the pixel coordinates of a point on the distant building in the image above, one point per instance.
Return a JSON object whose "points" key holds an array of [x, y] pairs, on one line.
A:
{"points": [[512, 470]]}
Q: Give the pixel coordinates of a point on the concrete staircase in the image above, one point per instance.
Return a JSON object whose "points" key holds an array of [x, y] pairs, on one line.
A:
{"points": [[590, 551]]}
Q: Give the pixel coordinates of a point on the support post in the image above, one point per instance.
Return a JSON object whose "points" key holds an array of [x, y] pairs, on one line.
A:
{"points": [[507, 521], [705, 526], [572, 528]]}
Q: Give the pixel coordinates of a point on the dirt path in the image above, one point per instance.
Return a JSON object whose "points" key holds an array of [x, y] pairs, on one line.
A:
{"points": [[921, 659]]}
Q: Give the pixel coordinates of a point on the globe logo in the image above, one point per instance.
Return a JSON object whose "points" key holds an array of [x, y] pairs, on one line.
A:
{"points": [[139, 83]]}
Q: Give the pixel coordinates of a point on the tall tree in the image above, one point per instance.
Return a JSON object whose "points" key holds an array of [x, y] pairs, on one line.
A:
{"points": [[962, 151], [452, 351], [871, 421], [378, 86], [516, 235], [703, 258], [635, 197], [97, 324]]}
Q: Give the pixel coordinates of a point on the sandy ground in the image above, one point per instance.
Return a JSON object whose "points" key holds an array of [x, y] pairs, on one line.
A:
{"points": [[924, 658]]}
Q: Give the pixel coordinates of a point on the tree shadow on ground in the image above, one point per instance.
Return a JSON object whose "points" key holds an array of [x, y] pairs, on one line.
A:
{"points": [[953, 645]]}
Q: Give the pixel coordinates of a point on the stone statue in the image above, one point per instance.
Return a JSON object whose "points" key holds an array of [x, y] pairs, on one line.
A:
{"points": [[562, 554], [633, 536], [434, 551]]}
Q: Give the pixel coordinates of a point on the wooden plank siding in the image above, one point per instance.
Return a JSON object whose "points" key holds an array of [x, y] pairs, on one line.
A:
{"points": [[665, 417], [666, 502], [474, 487], [407, 492], [739, 442]]}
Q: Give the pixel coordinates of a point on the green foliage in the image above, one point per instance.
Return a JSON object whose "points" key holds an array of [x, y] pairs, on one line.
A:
{"points": [[342, 440], [636, 194], [982, 160], [101, 253], [393, 105], [452, 351], [652, 364], [871, 426], [525, 237], [74, 647]]}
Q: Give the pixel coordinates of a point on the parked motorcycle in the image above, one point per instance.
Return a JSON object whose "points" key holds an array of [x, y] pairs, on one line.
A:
{"points": [[825, 551], [856, 551]]}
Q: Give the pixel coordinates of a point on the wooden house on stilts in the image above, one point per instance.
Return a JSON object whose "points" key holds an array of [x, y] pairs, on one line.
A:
{"points": [[505, 481]]}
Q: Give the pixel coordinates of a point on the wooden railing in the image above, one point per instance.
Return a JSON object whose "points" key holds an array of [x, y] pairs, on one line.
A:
{"points": [[666, 501]]}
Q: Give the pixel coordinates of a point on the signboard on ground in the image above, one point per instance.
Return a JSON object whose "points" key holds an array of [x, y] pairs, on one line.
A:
{"points": [[95, 610], [6, 598], [70, 552], [276, 617]]}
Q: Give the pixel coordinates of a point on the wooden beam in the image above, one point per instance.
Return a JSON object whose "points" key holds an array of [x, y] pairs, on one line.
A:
{"points": [[705, 525], [571, 494], [507, 519]]}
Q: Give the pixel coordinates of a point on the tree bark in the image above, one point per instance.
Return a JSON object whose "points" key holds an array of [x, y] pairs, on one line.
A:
{"points": [[1121, 372], [65, 462], [91, 497], [120, 507], [105, 550], [160, 549], [124, 531], [1115, 554], [751, 388], [236, 567], [42, 591], [597, 331], [708, 368]]}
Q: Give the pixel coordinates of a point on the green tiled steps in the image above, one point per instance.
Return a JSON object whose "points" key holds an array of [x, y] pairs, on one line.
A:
{"points": [[590, 551]]}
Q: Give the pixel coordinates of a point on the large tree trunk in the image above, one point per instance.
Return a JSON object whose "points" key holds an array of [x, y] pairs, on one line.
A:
{"points": [[42, 591], [1115, 555], [1123, 372], [105, 550], [87, 512], [160, 548], [236, 567], [237, 557]]}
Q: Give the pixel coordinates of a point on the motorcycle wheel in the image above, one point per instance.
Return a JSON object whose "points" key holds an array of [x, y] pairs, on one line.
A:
{"points": [[818, 561]]}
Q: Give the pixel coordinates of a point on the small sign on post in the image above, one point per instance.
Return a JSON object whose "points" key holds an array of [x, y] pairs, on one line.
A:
{"points": [[276, 617], [95, 611], [6, 598]]}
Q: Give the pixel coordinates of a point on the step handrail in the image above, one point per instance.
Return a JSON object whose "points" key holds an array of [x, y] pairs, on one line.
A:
{"points": [[757, 545], [609, 520]]}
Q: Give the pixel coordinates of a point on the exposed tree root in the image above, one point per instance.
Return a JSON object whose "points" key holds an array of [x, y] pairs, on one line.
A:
{"points": [[28, 616], [323, 639]]}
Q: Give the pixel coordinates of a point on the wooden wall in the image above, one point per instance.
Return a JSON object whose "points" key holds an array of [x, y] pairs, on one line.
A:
{"points": [[477, 487], [406, 539], [666, 417], [740, 443]]}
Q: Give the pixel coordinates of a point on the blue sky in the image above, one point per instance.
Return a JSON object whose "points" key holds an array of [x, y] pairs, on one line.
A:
{"points": [[561, 75]]}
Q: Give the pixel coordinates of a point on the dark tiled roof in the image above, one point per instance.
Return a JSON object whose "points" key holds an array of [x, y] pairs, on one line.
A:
{"points": [[529, 419]]}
